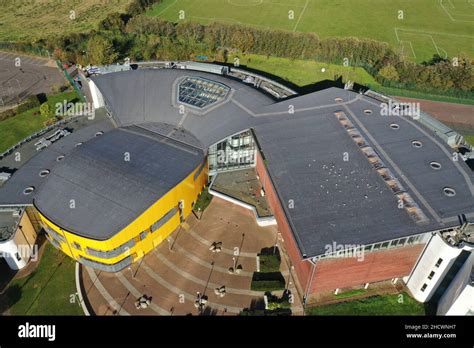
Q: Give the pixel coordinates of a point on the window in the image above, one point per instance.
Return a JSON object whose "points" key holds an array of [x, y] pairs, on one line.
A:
{"points": [[53, 241], [394, 243], [438, 263], [18, 257], [168, 216], [431, 275], [112, 253], [377, 246], [53, 234], [107, 268], [143, 235], [423, 288], [200, 92], [385, 245], [199, 171]]}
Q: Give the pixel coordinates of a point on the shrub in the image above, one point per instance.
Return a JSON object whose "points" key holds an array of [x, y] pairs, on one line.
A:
{"points": [[30, 103], [269, 263], [271, 281], [45, 110], [8, 113]]}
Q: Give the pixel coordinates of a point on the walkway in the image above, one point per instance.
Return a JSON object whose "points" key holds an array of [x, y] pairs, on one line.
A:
{"points": [[176, 271]]}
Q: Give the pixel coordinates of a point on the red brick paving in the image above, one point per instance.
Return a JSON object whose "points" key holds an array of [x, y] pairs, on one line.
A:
{"points": [[222, 221]]}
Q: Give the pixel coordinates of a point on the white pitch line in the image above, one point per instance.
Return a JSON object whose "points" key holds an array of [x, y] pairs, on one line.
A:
{"points": [[411, 46], [435, 33], [445, 10], [433, 42], [280, 3], [167, 7], [449, 14], [301, 15]]}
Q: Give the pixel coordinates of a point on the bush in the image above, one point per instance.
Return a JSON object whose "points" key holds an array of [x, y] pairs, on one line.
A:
{"points": [[45, 110], [269, 263], [271, 281], [267, 285], [8, 113], [203, 200], [278, 305], [30, 103], [50, 121], [263, 312]]}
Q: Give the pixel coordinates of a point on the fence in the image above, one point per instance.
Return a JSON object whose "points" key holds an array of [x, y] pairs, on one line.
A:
{"points": [[25, 48], [71, 81]]}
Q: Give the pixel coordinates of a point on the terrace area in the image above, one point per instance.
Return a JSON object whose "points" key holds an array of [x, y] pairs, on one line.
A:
{"points": [[243, 185], [193, 262]]}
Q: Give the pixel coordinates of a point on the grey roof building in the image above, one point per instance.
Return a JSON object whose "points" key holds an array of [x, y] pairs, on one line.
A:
{"points": [[344, 165]]}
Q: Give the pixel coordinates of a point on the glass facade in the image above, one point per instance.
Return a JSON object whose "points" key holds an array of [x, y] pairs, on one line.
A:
{"points": [[233, 153], [394, 243], [200, 92]]}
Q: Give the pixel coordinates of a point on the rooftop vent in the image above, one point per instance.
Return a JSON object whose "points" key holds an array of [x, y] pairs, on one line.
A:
{"points": [[368, 112], [28, 190], [44, 173], [450, 192], [338, 100], [417, 143], [60, 158], [99, 133], [435, 165], [394, 126]]}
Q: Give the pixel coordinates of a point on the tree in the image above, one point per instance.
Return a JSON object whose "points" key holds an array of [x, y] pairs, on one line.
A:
{"points": [[100, 51], [45, 110], [388, 72]]}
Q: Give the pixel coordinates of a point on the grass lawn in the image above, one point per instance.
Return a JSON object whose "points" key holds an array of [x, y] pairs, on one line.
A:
{"points": [[305, 72], [20, 20], [469, 139], [47, 290], [350, 293], [420, 95], [269, 263], [18, 127], [427, 27], [375, 305]]}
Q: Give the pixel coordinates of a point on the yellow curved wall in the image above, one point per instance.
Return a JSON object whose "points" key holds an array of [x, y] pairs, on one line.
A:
{"points": [[187, 191]]}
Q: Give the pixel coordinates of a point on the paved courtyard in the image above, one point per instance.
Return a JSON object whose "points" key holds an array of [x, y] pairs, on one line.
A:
{"points": [[33, 76], [178, 269]]}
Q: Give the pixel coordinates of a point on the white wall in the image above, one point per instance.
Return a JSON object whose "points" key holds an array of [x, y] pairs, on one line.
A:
{"points": [[459, 296], [437, 248], [8, 251], [97, 98]]}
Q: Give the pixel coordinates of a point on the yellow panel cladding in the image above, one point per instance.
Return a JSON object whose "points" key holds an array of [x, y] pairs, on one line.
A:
{"points": [[187, 191]]}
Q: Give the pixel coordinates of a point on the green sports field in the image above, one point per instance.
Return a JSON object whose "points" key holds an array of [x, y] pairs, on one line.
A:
{"points": [[428, 27]]}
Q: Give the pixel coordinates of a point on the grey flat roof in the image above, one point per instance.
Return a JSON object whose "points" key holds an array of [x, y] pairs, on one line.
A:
{"points": [[11, 193], [8, 224], [340, 201], [112, 179]]}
